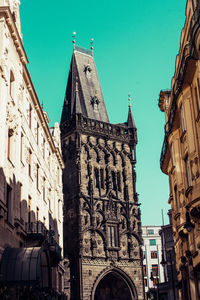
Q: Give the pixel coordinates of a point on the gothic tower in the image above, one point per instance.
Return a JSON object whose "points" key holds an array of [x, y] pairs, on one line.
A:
{"points": [[102, 229]]}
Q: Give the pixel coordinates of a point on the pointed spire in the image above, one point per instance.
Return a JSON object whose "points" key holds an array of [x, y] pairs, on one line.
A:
{"points": [[74, 41], [130, 121], [77, 104], [92, 46]]}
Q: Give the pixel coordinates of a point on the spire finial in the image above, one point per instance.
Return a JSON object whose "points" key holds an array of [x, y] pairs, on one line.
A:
{"points": [[92, 46], [129, 100], [74, 41]]}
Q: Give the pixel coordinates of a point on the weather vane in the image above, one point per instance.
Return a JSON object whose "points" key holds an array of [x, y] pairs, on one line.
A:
{"points": [[92, 46], [74, 41]]}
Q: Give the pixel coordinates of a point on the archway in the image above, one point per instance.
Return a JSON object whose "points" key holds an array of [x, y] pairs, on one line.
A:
{"points": [[113, 287]]}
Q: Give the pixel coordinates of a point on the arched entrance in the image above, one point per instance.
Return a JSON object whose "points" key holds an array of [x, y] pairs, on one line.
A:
{"points": [[113, 287]]}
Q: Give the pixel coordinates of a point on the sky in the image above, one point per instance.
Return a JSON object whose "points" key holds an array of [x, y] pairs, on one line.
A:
{"points": [[135, 47]]}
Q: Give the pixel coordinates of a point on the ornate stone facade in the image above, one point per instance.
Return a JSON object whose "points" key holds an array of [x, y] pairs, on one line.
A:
{"points": [[31, 199], [102, 227], [181, 153]]}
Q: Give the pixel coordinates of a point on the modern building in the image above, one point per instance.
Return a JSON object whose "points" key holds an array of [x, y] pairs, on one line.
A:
{"points": [[152, 255], [31, 199], [169, 288], [181, 153], [102, 227]]}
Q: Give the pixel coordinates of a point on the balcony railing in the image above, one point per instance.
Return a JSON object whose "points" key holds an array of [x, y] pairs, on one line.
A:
{"points": [[35, 228]]}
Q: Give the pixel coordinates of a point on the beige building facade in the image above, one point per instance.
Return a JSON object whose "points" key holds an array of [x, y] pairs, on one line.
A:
{"points": [[31, 199], [180, 155]]}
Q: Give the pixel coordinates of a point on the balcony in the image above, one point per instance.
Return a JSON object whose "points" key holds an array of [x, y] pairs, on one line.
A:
{"points": [[36, 233]]}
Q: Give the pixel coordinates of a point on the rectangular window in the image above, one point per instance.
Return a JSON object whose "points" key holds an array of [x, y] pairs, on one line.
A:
{"points": [[114, 185], [154, 254], [145, 282], [29, 162], [10, 145], [102, 178], [37, 176], [144, 254], [37, 134], [29, 209], [152, 242], [22, 147], [119, 181], [37, 214], [44, 189], [150, 231], [112, 239], [172, 155], [155, 270], [8, 202], [96, 178], [183, 124], [188, 171], [30, 115], [144, 270], [44, 148], [196, 98]]}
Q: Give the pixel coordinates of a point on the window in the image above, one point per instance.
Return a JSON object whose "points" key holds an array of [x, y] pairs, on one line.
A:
{"points": [[188, 172], [10, 144], [96, 178], [155, 270], [102, 178], [30, 115], [152, 242], [44, 189], [154, 254], [119, 181], [22, 147], [29, 209], [145, 282], [12, 82], [150, 231], [144, 270], [30, 162], [144, 254], [112, 238], [8, 202], [196, 98], [176, 197], [172, 155], [37, 176], [114, 185], [182, 119], [37, 214], [37, 133]]}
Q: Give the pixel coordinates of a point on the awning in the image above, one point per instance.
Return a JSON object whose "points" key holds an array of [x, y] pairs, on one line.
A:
{"points": [[24, 266]]}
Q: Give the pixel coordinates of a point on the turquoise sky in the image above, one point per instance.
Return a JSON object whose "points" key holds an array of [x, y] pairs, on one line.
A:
{"points": [[135, 46]]}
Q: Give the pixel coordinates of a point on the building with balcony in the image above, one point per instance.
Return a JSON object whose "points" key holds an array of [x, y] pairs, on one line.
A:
{"points": [[31, 199], [152, 254], [181, 153]]}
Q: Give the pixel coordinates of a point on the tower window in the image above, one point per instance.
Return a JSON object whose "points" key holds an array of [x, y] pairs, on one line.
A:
{"points": [[96, 178], [112, 236], [102, 178], [114, 185], [119, 181]]}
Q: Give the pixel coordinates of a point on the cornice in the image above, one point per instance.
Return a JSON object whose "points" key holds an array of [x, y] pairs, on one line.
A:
{"points": [[6, 12]]}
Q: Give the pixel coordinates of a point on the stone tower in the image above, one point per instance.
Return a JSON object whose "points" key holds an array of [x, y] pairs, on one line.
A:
{"points": [[102, 230]]}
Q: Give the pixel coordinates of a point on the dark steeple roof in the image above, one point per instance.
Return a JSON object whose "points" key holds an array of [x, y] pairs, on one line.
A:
{"points": [[130, 121], [88, 99]]}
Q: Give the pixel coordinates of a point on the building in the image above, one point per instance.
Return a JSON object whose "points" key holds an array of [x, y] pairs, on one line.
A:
{"points": [[31, 199], [181, 153], [102, 227], [169, 288], [152, 255]]}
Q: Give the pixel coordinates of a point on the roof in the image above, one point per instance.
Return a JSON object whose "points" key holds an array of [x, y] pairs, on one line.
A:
{"points": [[83, 93], [130, 121]]}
